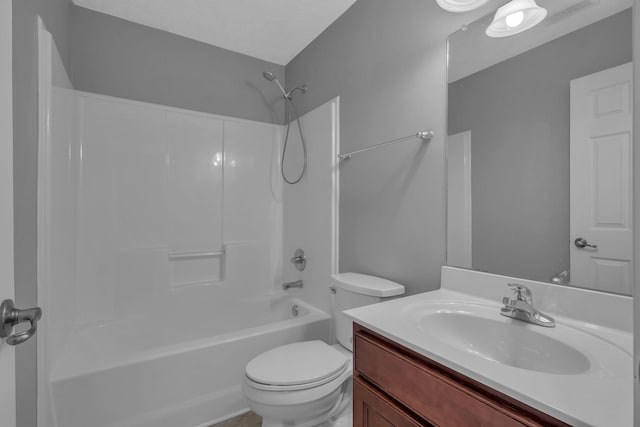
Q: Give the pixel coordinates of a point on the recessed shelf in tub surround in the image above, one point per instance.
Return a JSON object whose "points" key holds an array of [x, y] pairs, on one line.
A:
{"points": [[196, 268], [579, 372], [177, 256]]}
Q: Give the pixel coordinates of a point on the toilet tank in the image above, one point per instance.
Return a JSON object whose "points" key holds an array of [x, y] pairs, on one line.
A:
{"points": [[356, 290]]}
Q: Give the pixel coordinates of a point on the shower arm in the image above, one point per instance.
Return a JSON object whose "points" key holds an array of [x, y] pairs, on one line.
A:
{"points": [[302, 89]]}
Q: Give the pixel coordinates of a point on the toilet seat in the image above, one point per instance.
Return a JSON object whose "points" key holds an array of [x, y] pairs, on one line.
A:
{"points": [[298, 366], [301, 402]]}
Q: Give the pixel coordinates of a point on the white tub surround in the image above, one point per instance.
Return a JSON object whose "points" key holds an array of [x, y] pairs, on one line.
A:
{"points": [[161, 255], [312, 206], [596, 390]]}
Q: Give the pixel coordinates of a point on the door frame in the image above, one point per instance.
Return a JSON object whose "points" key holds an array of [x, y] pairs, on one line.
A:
{"points": [[636, 210], [45, 86], [7, 288]]}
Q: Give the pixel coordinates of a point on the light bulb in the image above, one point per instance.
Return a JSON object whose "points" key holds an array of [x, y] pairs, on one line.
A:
{"points": [[515, 19]]}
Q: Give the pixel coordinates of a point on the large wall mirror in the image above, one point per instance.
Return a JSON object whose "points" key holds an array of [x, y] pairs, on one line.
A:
{"points": [[539, 162]]}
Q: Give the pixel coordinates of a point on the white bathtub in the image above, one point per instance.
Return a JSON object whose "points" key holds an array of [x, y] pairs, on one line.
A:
{"points": [[161, 372]]}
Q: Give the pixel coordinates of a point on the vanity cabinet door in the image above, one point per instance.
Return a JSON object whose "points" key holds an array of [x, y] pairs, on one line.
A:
{"points": [[372, 409], [433, 392]]}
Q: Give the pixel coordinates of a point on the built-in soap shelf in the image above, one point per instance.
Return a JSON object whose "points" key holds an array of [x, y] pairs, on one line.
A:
{"points": [[195, 268], [179, 256]]}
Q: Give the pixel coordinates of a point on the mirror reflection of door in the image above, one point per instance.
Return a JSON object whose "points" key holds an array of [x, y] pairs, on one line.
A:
{"points": [[601, 180]]}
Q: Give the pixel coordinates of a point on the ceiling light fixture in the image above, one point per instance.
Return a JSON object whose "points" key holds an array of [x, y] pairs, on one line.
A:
{"points": [[515, 17], [460, 5]]}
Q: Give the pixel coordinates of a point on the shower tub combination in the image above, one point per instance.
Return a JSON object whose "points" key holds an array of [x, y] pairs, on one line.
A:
{"points": [[152, 316], [161, 240], [162, 372], [151, 313]]}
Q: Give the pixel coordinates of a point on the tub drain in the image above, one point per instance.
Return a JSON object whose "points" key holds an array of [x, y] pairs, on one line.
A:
{"points": [[295, 310]]}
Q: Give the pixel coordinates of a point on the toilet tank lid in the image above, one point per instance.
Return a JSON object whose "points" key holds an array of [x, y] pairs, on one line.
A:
{"points": [[367, 285]]}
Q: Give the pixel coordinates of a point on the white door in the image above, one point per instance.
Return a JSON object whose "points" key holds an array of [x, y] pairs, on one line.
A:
{"points": [[7, 354], [601, 180]]}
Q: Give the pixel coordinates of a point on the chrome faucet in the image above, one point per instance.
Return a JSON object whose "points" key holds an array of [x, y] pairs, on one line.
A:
{"points": [[289, 285], [299, 260], [522, 307]]}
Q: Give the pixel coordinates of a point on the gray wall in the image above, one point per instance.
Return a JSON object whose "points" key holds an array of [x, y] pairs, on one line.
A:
{"points": [[115, 57], [55, 14], [387, 62], [518, 114]]}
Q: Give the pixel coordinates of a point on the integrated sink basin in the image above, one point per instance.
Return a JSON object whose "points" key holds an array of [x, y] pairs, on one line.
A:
{"points": [[580, 371], [482, 332]]}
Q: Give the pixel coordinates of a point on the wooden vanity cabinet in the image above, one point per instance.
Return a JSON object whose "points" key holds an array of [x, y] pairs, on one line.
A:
{"points": [[373, 408], [395, 386]]}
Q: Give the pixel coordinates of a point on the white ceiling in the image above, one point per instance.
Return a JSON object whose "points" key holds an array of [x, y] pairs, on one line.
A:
{"points": [[272, 30]]}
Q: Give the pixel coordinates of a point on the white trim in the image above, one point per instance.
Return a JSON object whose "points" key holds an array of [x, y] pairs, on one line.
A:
{"points": [[335, 184], [45, 87], [459, 200], [7, 288], [636, 210]]}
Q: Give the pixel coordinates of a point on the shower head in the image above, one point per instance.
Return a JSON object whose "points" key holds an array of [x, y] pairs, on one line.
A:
{"points": [[272, 78]]}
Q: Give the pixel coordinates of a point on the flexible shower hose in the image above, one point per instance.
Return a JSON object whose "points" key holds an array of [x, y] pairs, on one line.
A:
{"points": [[292, 108]]}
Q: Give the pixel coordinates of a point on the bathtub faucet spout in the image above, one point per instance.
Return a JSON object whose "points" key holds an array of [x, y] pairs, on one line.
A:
{"points": [[289, 285]]}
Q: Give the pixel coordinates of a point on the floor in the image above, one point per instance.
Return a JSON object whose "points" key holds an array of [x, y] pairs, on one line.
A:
{"points": [[245, 420]]}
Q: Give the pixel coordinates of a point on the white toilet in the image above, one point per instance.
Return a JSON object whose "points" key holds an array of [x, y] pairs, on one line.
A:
{"points": [[309, 383]]}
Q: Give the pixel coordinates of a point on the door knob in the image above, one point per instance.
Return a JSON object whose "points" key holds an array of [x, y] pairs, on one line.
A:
{"points": [[582, 243], [11, 316]]}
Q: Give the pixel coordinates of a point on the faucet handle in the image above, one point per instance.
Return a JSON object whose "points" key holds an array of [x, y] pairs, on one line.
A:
{"points": [[522, 292]]}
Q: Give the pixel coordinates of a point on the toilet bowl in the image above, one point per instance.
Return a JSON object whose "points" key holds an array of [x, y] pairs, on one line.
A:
{"points": [[309, 383], [301, 384]]}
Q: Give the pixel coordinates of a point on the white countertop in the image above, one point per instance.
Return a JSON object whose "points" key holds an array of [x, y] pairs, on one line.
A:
{"points": [[600, 396]]}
